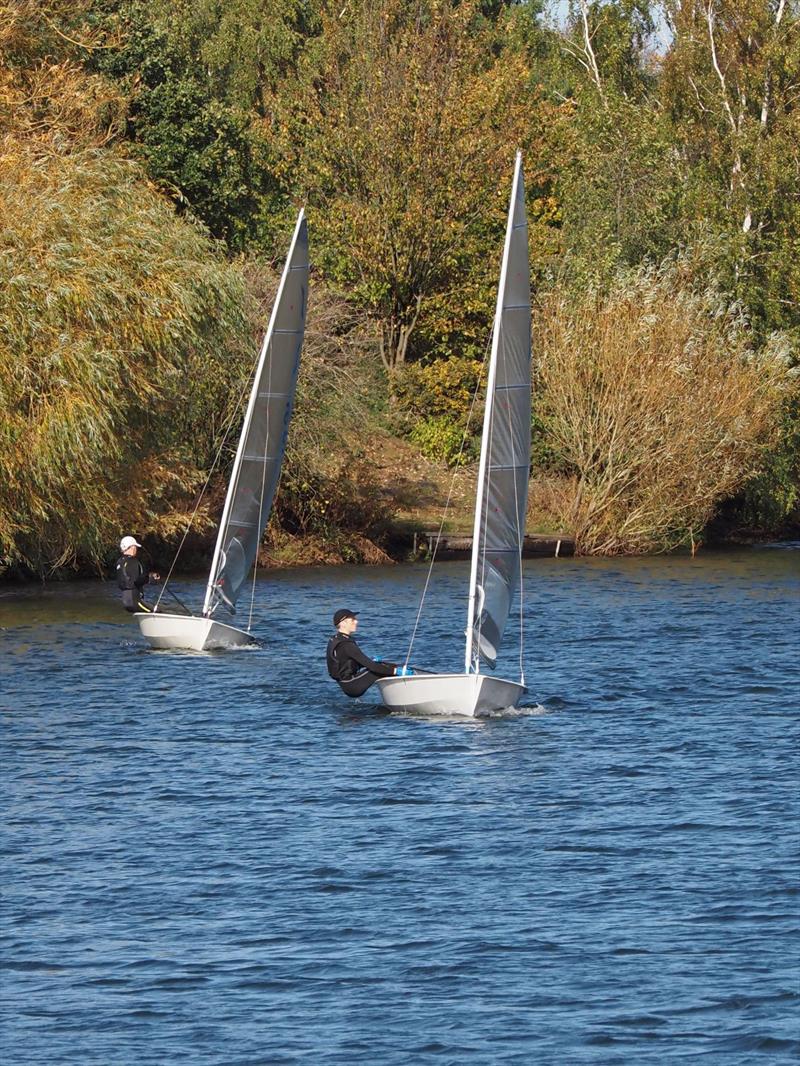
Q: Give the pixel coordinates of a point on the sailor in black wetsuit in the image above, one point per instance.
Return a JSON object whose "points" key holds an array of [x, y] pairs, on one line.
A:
{"points": [[354, 671], [132, 576]]}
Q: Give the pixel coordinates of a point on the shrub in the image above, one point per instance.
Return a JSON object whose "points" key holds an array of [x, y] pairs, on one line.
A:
{"points": [[444, 387], [433, 402], [655, 402], [441, 438]]}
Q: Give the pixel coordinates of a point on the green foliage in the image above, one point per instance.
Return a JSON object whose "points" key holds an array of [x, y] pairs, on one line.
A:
{"points": [[618, 188], [619, 33], [401, 129], [729, 84], [397, 123], [332, 507], [199, 79], [433, 403], [545, 455], [771, 501], [440, 388], [443, 439]]}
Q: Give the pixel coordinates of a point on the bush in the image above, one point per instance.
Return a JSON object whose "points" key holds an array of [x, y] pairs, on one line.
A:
{"points": [[444, 387], [657, 406], [769, 505], [443, 439], [433, 402]]}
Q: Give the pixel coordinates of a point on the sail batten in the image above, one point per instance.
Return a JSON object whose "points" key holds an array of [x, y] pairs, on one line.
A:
{"points": [[257, 465], [502, 496]]}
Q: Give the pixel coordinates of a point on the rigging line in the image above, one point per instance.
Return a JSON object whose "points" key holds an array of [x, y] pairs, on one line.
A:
{"points": [[261, 506], [179, 600], [447, 502], [225, 435]]}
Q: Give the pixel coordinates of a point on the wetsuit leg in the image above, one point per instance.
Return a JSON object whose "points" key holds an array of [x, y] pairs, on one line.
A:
{"points": [[136, 607], [359, 684]]}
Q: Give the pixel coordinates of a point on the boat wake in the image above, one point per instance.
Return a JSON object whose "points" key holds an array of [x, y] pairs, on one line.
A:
{"points": [[480, 719], [534, 711]]}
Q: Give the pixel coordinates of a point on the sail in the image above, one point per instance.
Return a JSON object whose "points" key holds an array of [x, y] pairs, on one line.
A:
{"points": [[502, 497], [257, 466]]}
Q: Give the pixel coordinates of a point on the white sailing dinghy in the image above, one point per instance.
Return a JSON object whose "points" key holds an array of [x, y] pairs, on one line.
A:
{"points": [[501, 501], [255, 473]]}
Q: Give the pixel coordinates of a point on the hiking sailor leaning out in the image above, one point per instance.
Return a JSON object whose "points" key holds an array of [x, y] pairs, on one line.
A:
{"points": [[132, 576], [354, 671]]}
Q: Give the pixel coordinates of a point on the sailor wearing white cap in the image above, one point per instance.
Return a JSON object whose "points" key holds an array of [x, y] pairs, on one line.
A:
{"points": [[132, 576]]}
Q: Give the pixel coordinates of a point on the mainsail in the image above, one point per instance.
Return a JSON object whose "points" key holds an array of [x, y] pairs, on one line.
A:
{"points": [[257, 466], [502, 497]]}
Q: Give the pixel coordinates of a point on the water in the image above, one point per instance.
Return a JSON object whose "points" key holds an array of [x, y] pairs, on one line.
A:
{"points": [[220, 859]]}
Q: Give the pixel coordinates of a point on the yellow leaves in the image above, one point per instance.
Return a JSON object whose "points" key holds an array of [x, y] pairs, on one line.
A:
{"points": [[109, 305], [45, 94]]}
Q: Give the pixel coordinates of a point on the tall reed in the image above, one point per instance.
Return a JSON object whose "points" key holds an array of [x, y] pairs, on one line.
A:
{"points": [[120, 328], [657, 407]]}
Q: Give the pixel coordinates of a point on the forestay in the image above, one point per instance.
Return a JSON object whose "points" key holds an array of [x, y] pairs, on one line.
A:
{"points": [[257, 466], [502, 498]]}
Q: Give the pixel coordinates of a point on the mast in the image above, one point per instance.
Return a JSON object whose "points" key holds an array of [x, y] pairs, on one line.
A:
{"points": [[487, 421], [237, 463]]}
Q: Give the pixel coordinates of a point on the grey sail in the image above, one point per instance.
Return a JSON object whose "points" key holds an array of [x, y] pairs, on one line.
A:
{"points": [[502, 497], [257, 467]]}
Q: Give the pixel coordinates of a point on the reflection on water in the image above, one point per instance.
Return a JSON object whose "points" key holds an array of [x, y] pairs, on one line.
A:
{"points": [[219, 858]]}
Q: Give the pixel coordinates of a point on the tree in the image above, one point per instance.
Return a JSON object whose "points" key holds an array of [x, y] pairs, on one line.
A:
{"points": [[401, 134], [199, 79], [108, 304], [608, 42], [616, 180], [730, 82]]}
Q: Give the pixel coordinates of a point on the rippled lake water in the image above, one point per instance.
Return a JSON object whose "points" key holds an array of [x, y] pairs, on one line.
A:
{"points": [[220, 859]]}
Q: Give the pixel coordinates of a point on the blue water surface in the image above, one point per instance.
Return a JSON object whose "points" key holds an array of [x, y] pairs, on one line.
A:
{"points": [[220, 859]]}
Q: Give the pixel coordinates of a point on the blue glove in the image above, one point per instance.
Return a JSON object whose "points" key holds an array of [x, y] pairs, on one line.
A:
{"points": [[403, 671]]}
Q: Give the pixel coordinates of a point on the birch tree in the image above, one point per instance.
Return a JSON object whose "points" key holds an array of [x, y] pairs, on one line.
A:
{"points": [[731, 82]]}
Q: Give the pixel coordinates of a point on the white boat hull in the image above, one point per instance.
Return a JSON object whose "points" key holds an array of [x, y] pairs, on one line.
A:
{"points": [[190, 632], [464, 694]]}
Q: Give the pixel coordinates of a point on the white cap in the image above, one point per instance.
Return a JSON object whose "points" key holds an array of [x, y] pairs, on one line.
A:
{"points": [[128, 542]]}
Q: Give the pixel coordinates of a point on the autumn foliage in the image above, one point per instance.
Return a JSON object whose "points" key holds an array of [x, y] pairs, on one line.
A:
{"points": [[152, 158], [657, 407]]}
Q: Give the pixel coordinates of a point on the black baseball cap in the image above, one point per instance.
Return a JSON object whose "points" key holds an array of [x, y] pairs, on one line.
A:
{"points": [[342, 614]]}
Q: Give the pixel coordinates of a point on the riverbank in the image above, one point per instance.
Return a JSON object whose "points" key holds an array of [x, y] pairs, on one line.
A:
{"points": [[415, 500]]}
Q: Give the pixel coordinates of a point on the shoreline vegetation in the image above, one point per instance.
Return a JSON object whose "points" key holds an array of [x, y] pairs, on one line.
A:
{"points": [[151, 160]]}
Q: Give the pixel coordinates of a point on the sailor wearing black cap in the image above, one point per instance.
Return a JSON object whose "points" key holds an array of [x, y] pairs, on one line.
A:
{"points": [[354, 671]]}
